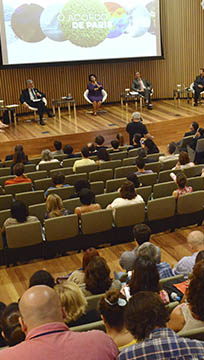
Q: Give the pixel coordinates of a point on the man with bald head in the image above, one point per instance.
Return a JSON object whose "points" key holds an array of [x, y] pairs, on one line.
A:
{"points": [[195, 241], [47, 337]]}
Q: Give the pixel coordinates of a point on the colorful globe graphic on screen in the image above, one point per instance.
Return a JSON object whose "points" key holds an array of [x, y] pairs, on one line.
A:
{"points": [[119, 19]]}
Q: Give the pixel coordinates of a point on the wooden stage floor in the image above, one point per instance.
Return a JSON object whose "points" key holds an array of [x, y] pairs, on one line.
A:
{"points": [[166, 122]]}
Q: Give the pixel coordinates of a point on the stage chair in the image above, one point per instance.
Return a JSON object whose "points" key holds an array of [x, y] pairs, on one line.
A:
{"points": [[71, 179], [101, 175], [104, 94], [96, 325], [39, 211], [106, 199], [129, 215], [43, 184], [31, 197], [193, 92], [63, 192], [118, 155], [114, 184], [36, 175], [124, 171], [96, 221], [97, 187], [6, 201], [18, 188], [164, 189], [34, 109], [112, 164]]}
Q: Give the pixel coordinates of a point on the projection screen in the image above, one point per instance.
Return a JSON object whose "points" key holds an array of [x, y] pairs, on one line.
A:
{"points": [[51, 31]]}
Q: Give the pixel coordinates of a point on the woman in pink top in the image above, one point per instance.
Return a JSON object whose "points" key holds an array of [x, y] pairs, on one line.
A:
{"points": [[181, 180]]}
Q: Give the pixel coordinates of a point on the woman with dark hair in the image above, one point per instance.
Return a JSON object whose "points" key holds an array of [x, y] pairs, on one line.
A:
{"points": [[181, 180], [19, 215], [149, 146], [95, 93], [103, 156], [111, 308], [11, 328], [120, 138], [42, 277], [183, 161], [19, 157], [97, 278], [134, 179], [78, 186], [190, 315], [87, 199], [145, 277], [128, 195]]}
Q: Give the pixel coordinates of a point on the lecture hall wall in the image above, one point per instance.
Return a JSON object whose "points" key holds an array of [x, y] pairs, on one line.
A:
{"points": [[183, 43]]}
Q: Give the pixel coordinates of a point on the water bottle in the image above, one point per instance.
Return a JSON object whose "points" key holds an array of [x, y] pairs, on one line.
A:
{"points": [[175, 297]]}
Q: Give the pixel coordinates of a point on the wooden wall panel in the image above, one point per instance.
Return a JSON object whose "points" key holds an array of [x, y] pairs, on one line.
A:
{"points": [[183, 42]]}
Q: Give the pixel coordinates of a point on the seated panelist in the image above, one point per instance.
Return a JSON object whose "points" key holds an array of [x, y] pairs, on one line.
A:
{"points": [[143, 87], [32, 97], [198, 86], [95, 93]]}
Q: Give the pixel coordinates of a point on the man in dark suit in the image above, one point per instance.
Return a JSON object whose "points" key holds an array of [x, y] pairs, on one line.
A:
{"points": [[198, 86], [33, 97], [144, 87]]}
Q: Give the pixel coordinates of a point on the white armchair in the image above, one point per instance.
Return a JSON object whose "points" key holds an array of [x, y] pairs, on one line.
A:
{"points": [[35, 109], [193, 91], [104, 94]]}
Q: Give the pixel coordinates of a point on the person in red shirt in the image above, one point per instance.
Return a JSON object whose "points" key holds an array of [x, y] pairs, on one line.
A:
{"points": [[20, 176]]}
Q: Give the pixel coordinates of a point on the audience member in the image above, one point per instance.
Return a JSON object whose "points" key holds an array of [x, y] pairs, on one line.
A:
{"points": [[47, 337], [181, 181], [128, 195], [87, 199], [112, 308], [18, 149], [145, 277], [150, 146], [133, 177], [141, 234], [195, 241], [171, 150], [200, 256], [153, 252], [54, 207], [19, 157], [85, 159], [42, 277], [68, 150], [115, 146], [78, 186], [58, 148], [120, 138], [2, 340], [20, 176], [92, 149], [103, 156], [190, 315], [183, 161], [46, 157], [19, 215], [198, 135], [146, 317], [11, 328], [136, 126], [97, 278], [58, 180], [78, 276], [140, 165], [193, 129], [73, 301], [99, 140]]}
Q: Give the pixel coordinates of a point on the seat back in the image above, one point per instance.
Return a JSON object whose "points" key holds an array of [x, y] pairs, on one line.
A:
{"points": [[60, 157], [69, 162], [29, 168], [190, 203], [112, 164], [148, 179], [171, 306], [105, 199], [101, 175], [129, 215], [49, 165], [118, 155], [4, 178], [129, 161], [36, 175], [161, 208], [162, 282], [64, 171], [4, 214], [134, 152], [96, 221], [18, 188], [96, 325], [145, 192], [71, 179], [196, 334], [38, 210], [200, 146], [164, 176], [164, 189], [114, 184], [193, 170], [5, 201], [43, 184], [169, 164], [124, 171], [97, 187], [186, 141], [26, 234], [31, 197], [71, 204], [5, 171], [93, 301], [86, 168], [35, 160], [63, 192], [62, 227], [154, 157], [197, 183]]}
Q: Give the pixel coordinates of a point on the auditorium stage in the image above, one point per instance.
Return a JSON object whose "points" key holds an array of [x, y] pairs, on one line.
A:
{"points": [[167, 121]]}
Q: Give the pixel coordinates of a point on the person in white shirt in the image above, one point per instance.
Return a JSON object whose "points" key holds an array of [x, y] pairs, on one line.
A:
{"points": [[183, 161], [128, 197], [85, 159]]}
